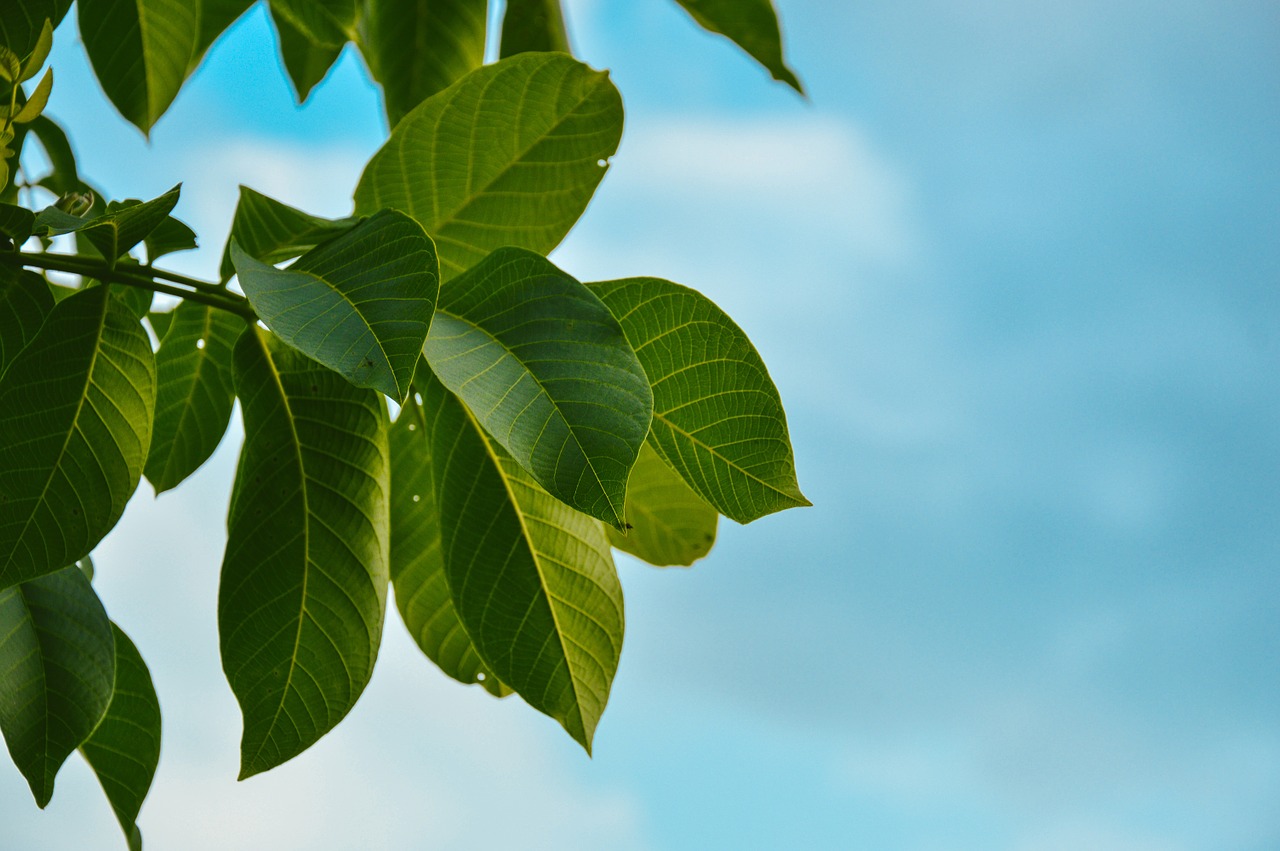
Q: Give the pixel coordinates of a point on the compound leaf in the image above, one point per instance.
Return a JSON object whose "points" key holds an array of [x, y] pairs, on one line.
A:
{"points": [[57, 666], [195, 391], [75, 426], [750, 24], [360, 304], [140, 51], [508, 155], [670, 524], [548, 372], [124, 750], [417, 565], [532, 580], [415, 49], [717, 417], [304, 578]]}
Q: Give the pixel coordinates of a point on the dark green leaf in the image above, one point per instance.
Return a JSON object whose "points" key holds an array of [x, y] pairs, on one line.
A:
{"points": [[125, 748], [160, 323], [215, 17], [533, 25], [417, 565], [75, 426], [323, 22], [64, 177], [670, 524], [306, 62], [126, 223], [717, 417], [304, 579], [16, 223], [532, 580], [195, 391], [360, 304], [508, 155], [548, 372], [169, 236], [57, 665], [52, 221], [25, 301], [273, 232], [140, 51], [136, 299], [752, 25], [22, 20], [415, 49]]}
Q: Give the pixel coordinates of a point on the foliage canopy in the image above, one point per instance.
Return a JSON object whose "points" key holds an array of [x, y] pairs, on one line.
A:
{"points": [[539, 421]]}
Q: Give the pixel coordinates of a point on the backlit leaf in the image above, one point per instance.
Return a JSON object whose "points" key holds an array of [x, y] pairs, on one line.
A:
{"points": [[324, 22], [304, 578], [417, 566], [307, 63], [75, 427], [752, 25], [21, 22], [717, 417], [125, 748], [532, 580], [57, 666], [195, 391], [272, 232], [533, 25], [670, 524], [548, 372], [127, 223], [360, 304], [415, 49], [140, 51], [508, 155], [25, 301]]}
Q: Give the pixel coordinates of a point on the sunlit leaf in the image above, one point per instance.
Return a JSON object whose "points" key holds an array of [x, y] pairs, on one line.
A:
{"points": [[417, 566], [532, 580], [36, 101], [548, 372], [717, 417], [140, 51], [670, 524], [75, 427], [306, 62], [304, 578], [125, 748], [752, 25], [195, 391], [360, 304], [57, 666], [270, 231], [508, 155], [533, 25], [415, 49]]}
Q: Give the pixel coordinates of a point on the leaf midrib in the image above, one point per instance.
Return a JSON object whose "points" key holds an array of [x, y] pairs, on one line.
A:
{"points": [[733, 465]]}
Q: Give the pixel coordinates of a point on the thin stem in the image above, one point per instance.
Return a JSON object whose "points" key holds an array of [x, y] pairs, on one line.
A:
{"points": [[205, 293]]}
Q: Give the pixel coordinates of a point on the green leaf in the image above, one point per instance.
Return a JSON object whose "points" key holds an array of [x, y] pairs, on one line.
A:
{"points": [[548, 372], [273, 232], [125, 748], [670, 524], [304, 579], [752, 25], [136, 299], [360, 304], [195, 392], [215, 17], [532, 580], [160, 323], [21, 22], [39, 53], [64, 177], [75, 425], [52, 221], [533, 25], [415, 49], [417, 565], [508, 155], [16, 224], [57, 665], [25, 301], [329, 23], [36, 101], [717, 417], [126, 223], [168, 237], [140, 51], [307, 63]]}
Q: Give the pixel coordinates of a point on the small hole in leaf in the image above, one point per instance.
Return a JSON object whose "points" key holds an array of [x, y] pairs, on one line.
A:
{"points": [[417, 397], [415, 497], [199, 344], [480, 677], [413, 426], [602, 163]]}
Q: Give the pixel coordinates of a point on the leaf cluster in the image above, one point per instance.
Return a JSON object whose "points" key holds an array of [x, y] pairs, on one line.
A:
{"points": [[431, 406]]}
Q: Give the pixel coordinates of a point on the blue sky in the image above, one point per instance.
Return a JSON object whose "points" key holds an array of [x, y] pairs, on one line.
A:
{"points": [[1014, 268]]}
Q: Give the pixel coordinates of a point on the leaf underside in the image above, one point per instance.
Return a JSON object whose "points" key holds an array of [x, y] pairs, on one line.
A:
{"points": [[670, 524], [750, 24]]}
